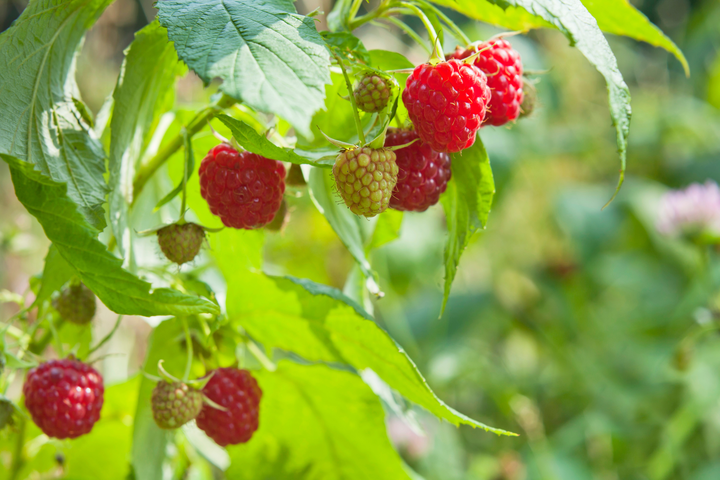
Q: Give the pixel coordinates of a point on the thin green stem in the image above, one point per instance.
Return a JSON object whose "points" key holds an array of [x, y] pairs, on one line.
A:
{"points": [[369, 17], [261, 357], [437, 47], [188, 155], [39, 346], [356, 115], [196, 124], [188, 343], [354, 10], [17, 458], [107, 337]]}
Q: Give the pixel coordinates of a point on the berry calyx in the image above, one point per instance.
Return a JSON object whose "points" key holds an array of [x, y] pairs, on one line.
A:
{"points": [[76, 304], [64, 397], [372, 93], [181, 243], [423, 173], [244, 189], [446, 103], [174, 404], [365, 178], [503, 67], [238, 392]]}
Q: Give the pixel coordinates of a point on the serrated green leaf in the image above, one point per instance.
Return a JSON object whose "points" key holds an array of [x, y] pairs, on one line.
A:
{"points": [[252, 141], [76, 240], [319, 323], [40, 122], [316, 423], [267, 55], [143, 91], [579, 26], [56, 273], [467, 202], [346, 224], [619, 17]]}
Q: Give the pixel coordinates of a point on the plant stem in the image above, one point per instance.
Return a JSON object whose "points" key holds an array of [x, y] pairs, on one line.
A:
{"points": [[107, 337], [260, 356], [356, 115], [17, 460], [379, 12], [196, 124], [437, 47], [38, 347], [188, 157], [188, 342]]}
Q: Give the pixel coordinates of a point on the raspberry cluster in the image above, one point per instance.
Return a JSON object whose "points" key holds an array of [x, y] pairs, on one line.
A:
{"points": [[365, 179], [238, 392], [446, 103], [244, 189], [76, 304], [64, 397], [503, 67], [372, 93], [175, 404], [181, 243], [423, 173]]}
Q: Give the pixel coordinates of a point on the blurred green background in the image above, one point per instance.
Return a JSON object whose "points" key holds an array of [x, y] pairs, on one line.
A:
{"points": [[581, 329]]}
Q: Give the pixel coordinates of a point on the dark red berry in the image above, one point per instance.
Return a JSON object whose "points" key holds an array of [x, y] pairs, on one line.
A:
{"points": [[76, 304], [239, 393], [446, 103], [503, 67], [181, 243], [243, 189], [423, 172], [64, 397]]}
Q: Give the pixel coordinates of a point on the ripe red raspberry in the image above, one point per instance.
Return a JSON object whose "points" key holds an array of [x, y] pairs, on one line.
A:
{"points": [[239, 393], [64, 397], [243, 189], [175, 404], [446, 103], [504, 69], [181, 243], [423, 172], [365, 178], [76, 304], [372, 93]]}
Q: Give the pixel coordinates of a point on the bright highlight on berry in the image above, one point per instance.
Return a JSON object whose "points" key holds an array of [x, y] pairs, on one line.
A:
{"points": [[447, 103], [365, 178], [423, 172], [244, 189]]}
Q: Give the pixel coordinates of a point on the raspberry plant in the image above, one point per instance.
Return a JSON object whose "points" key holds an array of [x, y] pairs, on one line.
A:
{"points": [[285, 90]]}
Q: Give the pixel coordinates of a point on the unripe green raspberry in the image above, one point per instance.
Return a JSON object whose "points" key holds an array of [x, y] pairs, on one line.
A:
{"points": [[529, 98], [76, 304], [181, 243], [175, 404], [372, 93], [365, 179]]}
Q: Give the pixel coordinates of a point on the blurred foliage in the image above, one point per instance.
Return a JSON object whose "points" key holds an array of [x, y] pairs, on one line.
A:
{"points": [[583, 330]]}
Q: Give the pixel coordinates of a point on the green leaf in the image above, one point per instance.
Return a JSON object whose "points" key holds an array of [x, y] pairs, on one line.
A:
{"points": [[579, 26], [143, 91], [619, 17], [77, 242], [346, 224], [252, 141], [347, 45], [267, 55], [338, 18], [387, 228], [56, 273], [319, 423], [467, 203], [40, 122], [513, 18], [319, 323]]}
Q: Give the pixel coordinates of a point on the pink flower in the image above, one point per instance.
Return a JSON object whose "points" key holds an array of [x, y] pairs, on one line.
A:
{"points": [[406, 439], [693, 210]]}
